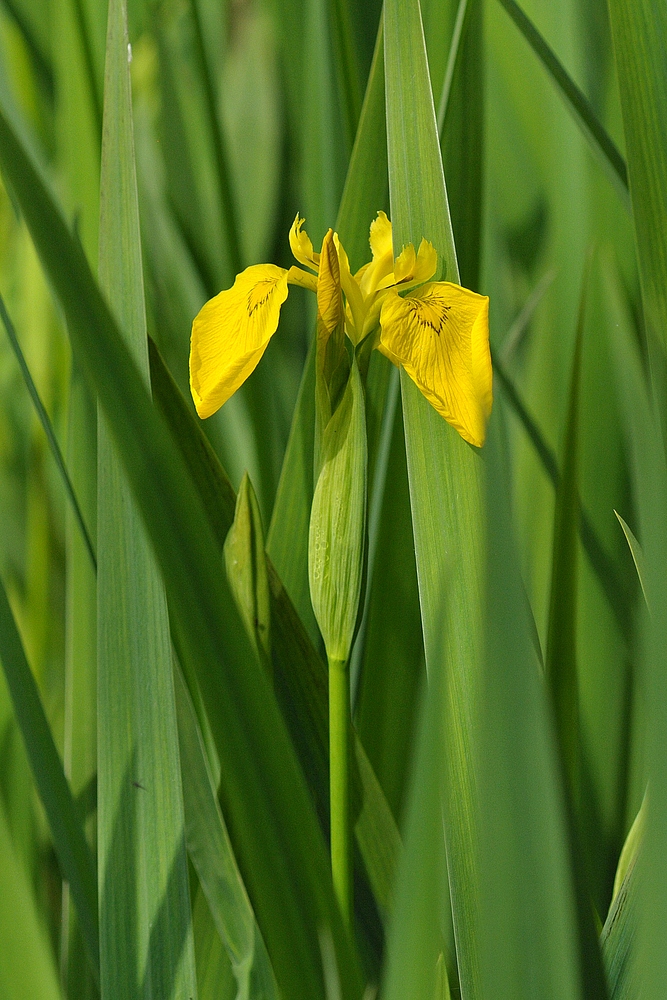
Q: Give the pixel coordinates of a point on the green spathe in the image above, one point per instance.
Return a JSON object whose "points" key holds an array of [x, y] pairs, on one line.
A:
{"points": [[337, 522]]}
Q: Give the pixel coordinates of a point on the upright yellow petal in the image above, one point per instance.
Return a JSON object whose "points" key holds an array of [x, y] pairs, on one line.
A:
{"points": [[440, 335], [329, 299], [383, 256], [413, 268], [231, 333], [355, 302], [301, 245], [380, 237]]}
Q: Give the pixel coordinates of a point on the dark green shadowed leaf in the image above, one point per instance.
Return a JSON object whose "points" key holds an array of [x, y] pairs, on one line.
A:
{"points": [[264, 797], [146, 943], [414, 936], [462, 142], [76, 861], [561, 665], [561, 655], [211, 853], [639, 29], [645, 446], [444, 473], [48, 430]]}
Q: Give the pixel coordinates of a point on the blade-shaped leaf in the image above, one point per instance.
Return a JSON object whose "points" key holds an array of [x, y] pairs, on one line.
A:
{"points": [[444, 472], [73, 853], [145, 924]]}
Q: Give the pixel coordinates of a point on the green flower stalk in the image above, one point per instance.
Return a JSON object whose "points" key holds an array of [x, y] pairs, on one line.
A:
{"points": [[437, 331]]}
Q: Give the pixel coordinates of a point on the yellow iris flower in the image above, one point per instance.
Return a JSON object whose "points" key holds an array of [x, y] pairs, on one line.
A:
{"points": [[436, 330]]}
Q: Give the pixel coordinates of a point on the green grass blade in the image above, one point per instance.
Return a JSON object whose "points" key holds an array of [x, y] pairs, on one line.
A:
{"points": [[452, 60], [561, 657], [215, 979], [444, 472], [615, 589], [80, 723], [619, 934], [575, 101], [211, 853], [462, 142], [76, 861], [393, 650], [414, 939], [227, 210], [145, 924], [561, 664], [38, 53], [265, 800], [347, 68], [89, 61], [650, 490], [619, 941], [639, 30], [48, 430], [27, 968], [637, 554], [530, 946]]}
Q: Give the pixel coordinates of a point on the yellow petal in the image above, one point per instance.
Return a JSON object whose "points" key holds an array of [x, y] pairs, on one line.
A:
{"points": [[355, 303], [295, 276], [383, 256], [301, 246], [231, 333], [414, 269], [329, 299], [380, 238], [440, 335]]}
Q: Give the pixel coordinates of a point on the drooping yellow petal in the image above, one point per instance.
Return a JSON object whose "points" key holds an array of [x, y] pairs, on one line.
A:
{"points": [[231, 333], [440, 335], [301, 245]]}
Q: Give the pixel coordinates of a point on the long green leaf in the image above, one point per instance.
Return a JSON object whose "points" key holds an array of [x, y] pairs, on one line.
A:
{"points": [[650, 489], [529, 945], [561, 663], [639, 28], [145, 925], [414, 941], [265, 801], [575, 101], [48, 430], [76, 860], [444, 472], [211, 853]]}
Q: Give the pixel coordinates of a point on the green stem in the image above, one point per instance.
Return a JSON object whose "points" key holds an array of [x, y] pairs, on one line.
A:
{"points": [[339, 777]]}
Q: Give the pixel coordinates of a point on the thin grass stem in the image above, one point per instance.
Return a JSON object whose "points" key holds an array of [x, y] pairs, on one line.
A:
{"points": [[339, 782]]}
